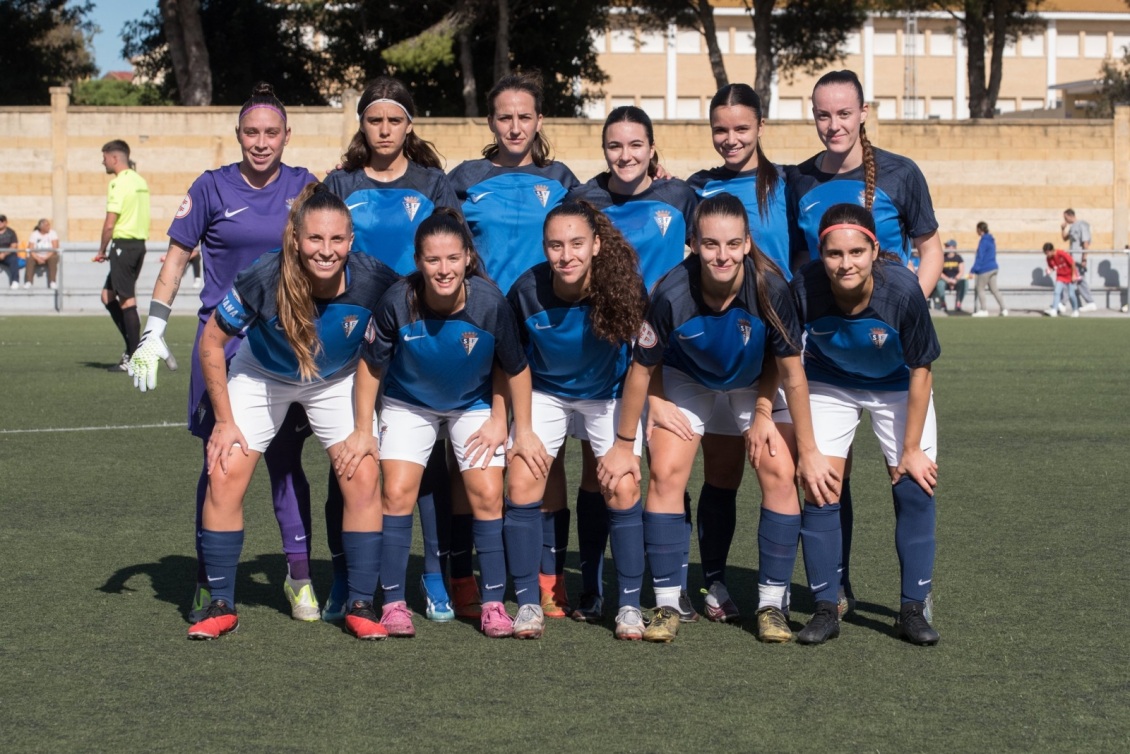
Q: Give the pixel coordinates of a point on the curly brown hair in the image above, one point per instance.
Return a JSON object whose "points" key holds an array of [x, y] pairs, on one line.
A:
{"points": [[616, 289]]}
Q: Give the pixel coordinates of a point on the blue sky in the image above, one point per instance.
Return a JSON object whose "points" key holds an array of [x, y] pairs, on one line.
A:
{"points": [[111, 15]]}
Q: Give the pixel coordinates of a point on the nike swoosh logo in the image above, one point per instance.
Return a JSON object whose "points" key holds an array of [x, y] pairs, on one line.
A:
{"points": [[543, 327], [712, 573], [413, 337], [351, 206], [229, 213], [218, 578], [771, 582], [299, 539], [830, 332], [924, 583], [659, 581], [712, 192], [631, 591], [475, 199], [391, 587], [302, 428], [494, 586], [691, 337], [814, 587], [520, 591], [810, 206], [457, 553]]}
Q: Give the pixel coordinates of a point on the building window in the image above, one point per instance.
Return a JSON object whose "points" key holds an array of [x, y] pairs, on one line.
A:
{"points": [[595, 109], [886, 43], [743, 43], [790, 108], [888, 107], [914, 44], [688, 108], [1067, 46], [852, 44], [652, 41], [653, 106], [1032, 104], [941, 107], [941, 44], [687, 41], [723, 36], [1120, 45], [599, 41], [1006, 105], [1032, 47], [622, 101], [623, 40], [1094, 45]]}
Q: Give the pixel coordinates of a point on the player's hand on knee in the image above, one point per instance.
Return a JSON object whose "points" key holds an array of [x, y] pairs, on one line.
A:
{"points": [[918, 466], [762, 436], [663, 414], [483, 443], [353, 450], [225, 438], [528, 446], [615, 465], [818, 478]]}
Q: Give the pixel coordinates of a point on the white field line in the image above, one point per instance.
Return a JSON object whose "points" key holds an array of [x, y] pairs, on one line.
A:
{"points": [[162, 425]]}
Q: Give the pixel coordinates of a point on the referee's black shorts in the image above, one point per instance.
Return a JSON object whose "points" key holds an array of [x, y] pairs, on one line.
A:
{"points": [[126, 257]]}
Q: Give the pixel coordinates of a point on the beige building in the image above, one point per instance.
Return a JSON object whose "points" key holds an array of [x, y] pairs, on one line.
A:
{"points": [[913, 66]]}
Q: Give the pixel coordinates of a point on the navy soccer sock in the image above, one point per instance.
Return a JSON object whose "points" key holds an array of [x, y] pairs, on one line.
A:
{"points": [[201, 491], [592, 539], [462, 541], [717, 518], [394, 560], [625, 529], [492, 558], [847, 526], [363, 558], [777, 535], [822, 554], [664, 538], [555, 541], [688, 531], [220, 552], [522, 533], [914, 538], [335, 510]]}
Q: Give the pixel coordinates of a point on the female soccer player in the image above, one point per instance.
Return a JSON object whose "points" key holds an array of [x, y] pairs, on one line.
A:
{"points": [[235, 214], [505, 197], [391, 180], [306, 314], [438, 335], [870, 345], [851, 170], [711, 323], [578, 313]]}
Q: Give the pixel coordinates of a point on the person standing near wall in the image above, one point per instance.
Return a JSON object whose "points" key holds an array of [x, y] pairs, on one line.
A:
{"points": [[9, 257], [1078, 234], [123, 242], [985, 270]]}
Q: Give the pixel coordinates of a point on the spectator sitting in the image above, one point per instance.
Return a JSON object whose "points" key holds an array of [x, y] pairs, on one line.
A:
{"points": [[43, 251], [9, 256], [953, 277]]}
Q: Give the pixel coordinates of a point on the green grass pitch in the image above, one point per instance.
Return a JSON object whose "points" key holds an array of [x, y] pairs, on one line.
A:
{"points": [[96, 549]]}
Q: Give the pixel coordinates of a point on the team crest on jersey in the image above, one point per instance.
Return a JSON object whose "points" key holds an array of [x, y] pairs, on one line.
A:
{"points": [[663, 220], [543, 193], [185, 207], [348, 324], [469, 340], [411, 206], [647, 337], [371, 331], [878, 337], [745, 329]]}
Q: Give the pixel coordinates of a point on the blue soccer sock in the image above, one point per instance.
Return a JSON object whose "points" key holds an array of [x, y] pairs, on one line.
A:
{"points": [[462, 542], [433, 503], [201, 493], [847, 526], [492, 558], [820, 533], [592, 539], [717, 519], [522, 533], [220, 554], [394, 561], [625, 529], [664, 537], [914, 538], [777, 535], [555, 541], [335, 511], [363, 561], [688, 531]]}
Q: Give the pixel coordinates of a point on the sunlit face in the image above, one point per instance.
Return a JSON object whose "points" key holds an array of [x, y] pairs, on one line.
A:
{"points": [[385, 126], [262, 135], [735, 130], [110, 161], [570, 246], [628, 151], [849, 257], [514, 124], [722, 242], [324, 239], [443, 263], [838, 115]]}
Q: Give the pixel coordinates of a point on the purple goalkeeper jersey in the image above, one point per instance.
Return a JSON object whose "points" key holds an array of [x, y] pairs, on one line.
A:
{"points": [[233, 223]]}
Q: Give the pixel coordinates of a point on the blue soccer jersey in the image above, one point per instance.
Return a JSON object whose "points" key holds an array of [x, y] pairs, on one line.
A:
{"points": [[566, 357], [721, 350], [343, 323], [771, 231], [901, 207], [874, 349], [444, 362], [386, 214], [506, 208], [656, 222], [233, 223]]}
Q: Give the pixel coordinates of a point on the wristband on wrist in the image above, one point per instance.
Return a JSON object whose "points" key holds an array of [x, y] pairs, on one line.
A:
{"points": [[158, 317], [624, 439]]}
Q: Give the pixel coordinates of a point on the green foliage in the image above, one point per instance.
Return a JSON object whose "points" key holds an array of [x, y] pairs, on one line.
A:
{"points": [[44, 45], [1115, 87], [112, 92], [421, 54]]}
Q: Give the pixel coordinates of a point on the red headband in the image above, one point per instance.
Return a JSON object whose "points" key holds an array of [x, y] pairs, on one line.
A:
{"points": [[849, 226]]}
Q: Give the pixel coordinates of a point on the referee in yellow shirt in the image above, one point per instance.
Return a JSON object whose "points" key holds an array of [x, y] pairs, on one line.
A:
{"points": [[123, 242]]}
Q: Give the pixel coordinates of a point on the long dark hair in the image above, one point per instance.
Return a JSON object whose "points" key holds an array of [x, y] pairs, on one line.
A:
{"points": [[728, 205], [853, 214], [633, 114], [743, 95], [421, 152], [615, 287], [445, 221], [530, 83], [870, 170]]}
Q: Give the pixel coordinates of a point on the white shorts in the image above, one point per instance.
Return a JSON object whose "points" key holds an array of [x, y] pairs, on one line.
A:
{"points": [[721, 412], [836, 412], [259, 405], [408, 433], [594, 421]]}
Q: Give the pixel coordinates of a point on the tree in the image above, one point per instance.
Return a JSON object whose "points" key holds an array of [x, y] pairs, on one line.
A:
{"points": [[1114, 89], [45, 45], [115, 93], [184, 35]]}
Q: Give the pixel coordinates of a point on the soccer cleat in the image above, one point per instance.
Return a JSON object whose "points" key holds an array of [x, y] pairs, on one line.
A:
{"points": [[397, 620], [554, 598], [720, 608], [590, 609], [1090, 307], [686, 609], [664, 625], [438, 603], [303, 603], [361, 621], [200, 602], [911, 625], [824, 625], [980, 313], [772, 626], [219, 619], [629, 623], [529, 623], [465, 597], [334, 609], [122, 365], [928, 607], [845, 605], [495, 622]]}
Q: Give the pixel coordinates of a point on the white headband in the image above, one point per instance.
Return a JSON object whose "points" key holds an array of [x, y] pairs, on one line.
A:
{"points": [[361, 114]]}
